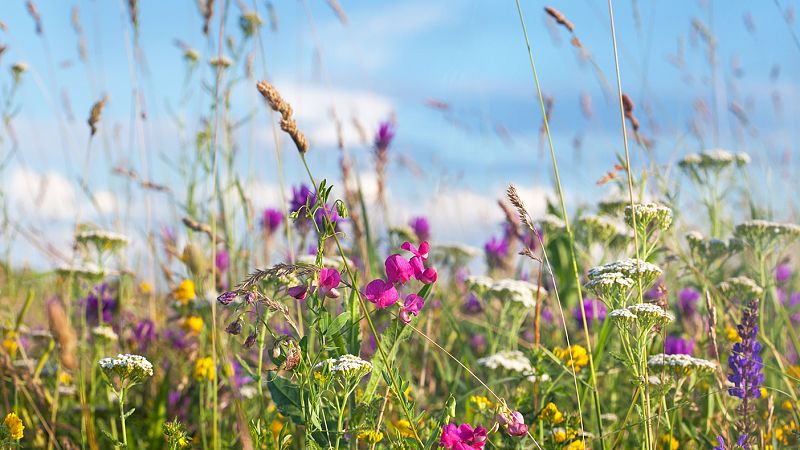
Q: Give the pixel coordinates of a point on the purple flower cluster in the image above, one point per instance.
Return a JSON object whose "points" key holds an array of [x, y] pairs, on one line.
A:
{"points": [[674, 345], [745, 364], [421, 228], [272, 219], [593, 308], [101, 296], [496, 250]]}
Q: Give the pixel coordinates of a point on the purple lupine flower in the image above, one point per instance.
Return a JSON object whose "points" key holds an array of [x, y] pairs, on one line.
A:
{"points": [[674, 345], [745, 364], [145, 334], [384, 136], [593, 308], [100, 295], [421, 228], [496, 251], [783, 272], [687, 300], [271, 220], [222, 260]]}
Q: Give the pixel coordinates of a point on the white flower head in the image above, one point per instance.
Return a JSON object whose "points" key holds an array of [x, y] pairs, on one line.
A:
{"points": [[649, 214], [513, 361], [681, 364], [105, 332], [741, 288], [133, 368], [348, 366], [522, 292], [649, 314]]}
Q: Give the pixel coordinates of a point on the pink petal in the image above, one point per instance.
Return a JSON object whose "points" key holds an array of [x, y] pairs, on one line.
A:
{"points": [[398, 269]]}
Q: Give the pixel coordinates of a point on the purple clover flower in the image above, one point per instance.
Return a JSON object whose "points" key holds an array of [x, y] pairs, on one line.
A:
{"points": [[421, 228], [384, 136], [783, 272], [593, 308], [674, 345], [687, 300], [496, 251], [100, 295], [271, 220]]}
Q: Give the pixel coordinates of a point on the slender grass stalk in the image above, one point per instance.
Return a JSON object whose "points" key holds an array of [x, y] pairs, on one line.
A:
{"points": [[593, 374]]}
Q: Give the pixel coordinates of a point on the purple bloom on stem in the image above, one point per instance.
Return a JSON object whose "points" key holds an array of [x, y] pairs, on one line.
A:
{"points": [[384, 136], [472, 305], [687, 299], [227, 297], [783, 272], [593, 308], [462, 437], [657, 291], [100, 295], [144, 333], [398, 269], [478, 343], [421, 228], [222, 260], [328, 282], [674, 345], [745, 364], [412, 306], [271, 220], [300, 196], [496, 251], [381, 293], [298, 292]]}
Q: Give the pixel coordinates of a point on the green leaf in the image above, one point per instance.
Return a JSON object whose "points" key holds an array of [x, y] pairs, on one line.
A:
{"points": [[286, 396], [390, 341], [336, 325]]}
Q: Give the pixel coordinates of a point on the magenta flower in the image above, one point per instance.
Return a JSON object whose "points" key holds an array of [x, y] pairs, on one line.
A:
{"points": [[674, 345], [271, 220], [381, 293], [783, 272], [412, 306], [462, 437], [384, 136], [513, 422], [398, 269], [421, 228], [328, 282], [421, 252], [222, 260], [298, 292]]}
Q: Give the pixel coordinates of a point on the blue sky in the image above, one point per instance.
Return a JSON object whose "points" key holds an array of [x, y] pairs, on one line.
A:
{"points": [[389, 60]]}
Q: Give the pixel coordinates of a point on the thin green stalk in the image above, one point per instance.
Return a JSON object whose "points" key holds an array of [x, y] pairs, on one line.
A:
{"points": [[573, 256]]}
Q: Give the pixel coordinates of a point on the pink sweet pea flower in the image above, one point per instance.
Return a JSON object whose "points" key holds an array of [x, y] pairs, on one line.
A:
{"points": [[299, 292], [398, 269], [422, 251], [381, 293], [513, 422], [462, 437], [412, 306], [328, 282]]}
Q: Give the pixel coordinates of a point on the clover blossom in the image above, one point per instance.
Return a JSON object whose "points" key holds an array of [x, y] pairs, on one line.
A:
{"points": [[421, 227]]}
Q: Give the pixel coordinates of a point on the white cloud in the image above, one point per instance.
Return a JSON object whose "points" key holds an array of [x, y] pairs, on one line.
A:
{"points": [[45, 195]]}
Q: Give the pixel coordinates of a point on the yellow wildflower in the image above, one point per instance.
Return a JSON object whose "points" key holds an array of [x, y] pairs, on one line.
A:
{"points": [[145, 288], [551, 414], [14, 425], [277, 425], [10, 343], [732, 335], [559, 436], [403, 427], [574, 356], [575, 445], [763, 392], [794, 371], [193, 324], [204, 369], [185, 293], [667, 442], [480, 402], [64, 378], [371, 436]]}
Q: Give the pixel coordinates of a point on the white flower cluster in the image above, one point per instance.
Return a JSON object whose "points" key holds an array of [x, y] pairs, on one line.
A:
{"points": [[456, 250], [88, 270], [101, 237], [333, 262], [649, 214], [551, 222], [762, 234], [612, 282], [741, 288], [131, 367], [644, 314], [517, 291], [681, 364], [105, 332], [346, 365], [713, 159], [711, 249], [514, 361], [593, 227]]}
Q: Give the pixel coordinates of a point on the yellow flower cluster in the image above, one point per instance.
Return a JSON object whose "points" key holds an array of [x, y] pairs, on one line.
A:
{"points": [[403, 427], [787, 433], [10, 343], [204, 369], [574, 356], [480, 403], [193, 324], [575, 445], [371, 436], [551, 414], [14, 425], [732, 335], [185, 292], [667, 442]]}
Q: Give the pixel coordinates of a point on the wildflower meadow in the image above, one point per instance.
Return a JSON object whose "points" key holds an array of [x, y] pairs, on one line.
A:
{"points": [[341, 224]]}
